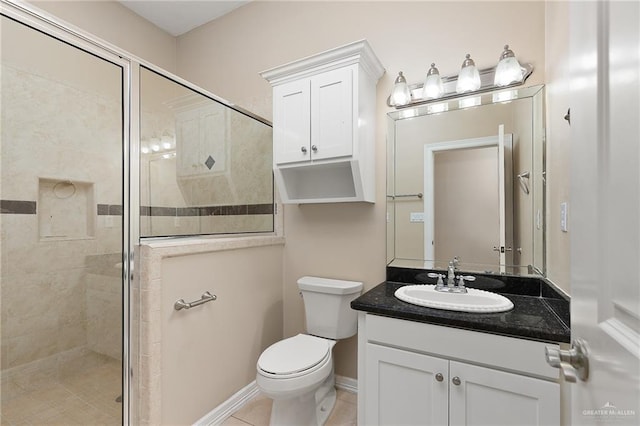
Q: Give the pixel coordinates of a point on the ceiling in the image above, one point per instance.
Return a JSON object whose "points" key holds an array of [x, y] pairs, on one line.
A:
{"points": [[180, 16]]}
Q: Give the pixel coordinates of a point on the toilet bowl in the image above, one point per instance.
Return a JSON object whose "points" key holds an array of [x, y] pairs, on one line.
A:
{"points": [[297, 372]]}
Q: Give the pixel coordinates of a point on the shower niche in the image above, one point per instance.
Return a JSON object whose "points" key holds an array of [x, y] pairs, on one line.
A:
{"points": [[66, 209]]}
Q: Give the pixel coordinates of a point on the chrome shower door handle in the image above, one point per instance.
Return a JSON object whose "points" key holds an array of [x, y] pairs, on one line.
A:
{"points": [[574, 363]]}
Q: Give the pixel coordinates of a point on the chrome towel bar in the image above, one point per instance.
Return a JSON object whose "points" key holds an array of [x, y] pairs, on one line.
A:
{"points": [[206, 297], [419, 195]]}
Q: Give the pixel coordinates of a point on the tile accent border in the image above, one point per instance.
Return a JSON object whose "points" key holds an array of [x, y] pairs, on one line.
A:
{"points": [[18, 207], [30, 207]]}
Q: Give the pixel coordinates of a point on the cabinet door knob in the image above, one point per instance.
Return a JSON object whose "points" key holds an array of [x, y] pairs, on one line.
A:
{"points": [[456, 381], [439, 377], [303, 149], [314, 148]]}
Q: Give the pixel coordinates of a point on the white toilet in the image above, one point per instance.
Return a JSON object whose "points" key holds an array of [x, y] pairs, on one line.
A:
{"points": [[297, 373]]}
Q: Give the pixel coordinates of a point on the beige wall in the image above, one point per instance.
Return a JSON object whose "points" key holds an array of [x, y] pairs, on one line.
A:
{"points": [[557, 103], [348, 240], [116, 24], [210, 352]]}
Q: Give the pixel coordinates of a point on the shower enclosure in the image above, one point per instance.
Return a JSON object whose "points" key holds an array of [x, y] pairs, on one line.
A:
{"points": [[99, 149], [63, 234]]}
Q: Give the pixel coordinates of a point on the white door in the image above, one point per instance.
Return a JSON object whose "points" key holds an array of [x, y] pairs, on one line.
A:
{"points": [[464, 189], [605, 209], [332, 114], [405, 388], [292, 122], [480, 396]]}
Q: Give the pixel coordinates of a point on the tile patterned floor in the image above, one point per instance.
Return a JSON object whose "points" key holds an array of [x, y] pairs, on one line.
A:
{"points": [[258, 411], [84, 398]]}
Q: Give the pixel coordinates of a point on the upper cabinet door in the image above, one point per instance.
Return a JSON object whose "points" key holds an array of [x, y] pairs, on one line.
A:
{"points": [[332, 114], [292, 123]]}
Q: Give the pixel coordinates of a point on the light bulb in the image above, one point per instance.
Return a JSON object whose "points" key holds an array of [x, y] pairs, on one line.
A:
{"points": [[155, 147], [508, 69], [144, 150], [469, 77], [401, 94], [433, 87], [166, 145]]}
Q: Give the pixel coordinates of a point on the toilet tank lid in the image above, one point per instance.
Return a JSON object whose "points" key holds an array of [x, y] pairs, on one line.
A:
{"points": [[329, 285]]}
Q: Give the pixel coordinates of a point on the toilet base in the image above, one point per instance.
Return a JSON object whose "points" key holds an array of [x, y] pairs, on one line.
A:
{"points": [[310, 409]]}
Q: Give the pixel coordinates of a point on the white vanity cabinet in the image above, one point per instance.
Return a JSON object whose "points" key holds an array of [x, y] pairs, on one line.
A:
{"points": [[323, 125], [413, 373]]}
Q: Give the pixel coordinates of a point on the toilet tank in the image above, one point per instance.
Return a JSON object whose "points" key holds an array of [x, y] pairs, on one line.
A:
{"points": [[327, 305]]}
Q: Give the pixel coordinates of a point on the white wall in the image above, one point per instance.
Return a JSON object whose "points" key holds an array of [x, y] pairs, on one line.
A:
{"points": [[225, 56]]}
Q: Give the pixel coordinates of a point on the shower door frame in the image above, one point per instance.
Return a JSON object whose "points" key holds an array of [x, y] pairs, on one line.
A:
{"points": [[50, 26]]}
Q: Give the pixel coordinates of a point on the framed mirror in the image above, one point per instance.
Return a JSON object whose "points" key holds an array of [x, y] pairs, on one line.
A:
{"points": [[466, 179]]}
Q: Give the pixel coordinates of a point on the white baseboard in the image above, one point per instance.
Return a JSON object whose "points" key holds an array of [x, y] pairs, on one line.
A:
{"points": [[347, 383], [223, 411]]}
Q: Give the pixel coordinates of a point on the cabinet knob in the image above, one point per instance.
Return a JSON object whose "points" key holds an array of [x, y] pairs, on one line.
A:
{"points": [[303, 149], [456, 381], [439, 377], [314, 148]]}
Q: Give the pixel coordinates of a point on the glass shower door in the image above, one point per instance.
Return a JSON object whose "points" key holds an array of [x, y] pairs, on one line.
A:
{"points": [[62, 203]]}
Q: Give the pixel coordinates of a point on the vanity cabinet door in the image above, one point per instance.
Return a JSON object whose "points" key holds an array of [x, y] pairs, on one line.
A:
{"points": [[483, 396], [405, 388], [292, 122]]}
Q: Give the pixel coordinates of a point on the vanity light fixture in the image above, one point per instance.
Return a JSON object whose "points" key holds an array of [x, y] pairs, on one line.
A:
{"points": [[508, 69], [433, 87], [469, 77], [401, 94], [507, 73]]}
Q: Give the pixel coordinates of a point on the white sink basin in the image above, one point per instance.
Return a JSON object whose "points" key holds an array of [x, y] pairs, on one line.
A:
{"points": [[474, 301]]}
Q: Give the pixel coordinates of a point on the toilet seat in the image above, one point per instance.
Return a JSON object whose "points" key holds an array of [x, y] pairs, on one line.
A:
{"points": [[295, 356]]}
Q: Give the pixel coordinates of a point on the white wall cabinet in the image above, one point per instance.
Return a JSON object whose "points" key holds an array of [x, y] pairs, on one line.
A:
{"points": [[412, 373], [316, 116], [323, 125], [201, 132]]}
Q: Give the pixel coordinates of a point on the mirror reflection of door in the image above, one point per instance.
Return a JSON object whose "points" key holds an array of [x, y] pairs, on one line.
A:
{"points": [[466, 199]]}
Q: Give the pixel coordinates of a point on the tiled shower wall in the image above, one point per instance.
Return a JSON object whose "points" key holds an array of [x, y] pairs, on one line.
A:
{"points": [[61, 294]]}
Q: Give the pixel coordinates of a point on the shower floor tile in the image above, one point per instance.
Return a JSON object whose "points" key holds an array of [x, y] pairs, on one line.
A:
{"points": [[82, 398]]}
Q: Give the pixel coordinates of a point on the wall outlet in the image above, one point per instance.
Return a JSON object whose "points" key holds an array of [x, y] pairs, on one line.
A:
{"points": [[416, 217], [564, 217]]}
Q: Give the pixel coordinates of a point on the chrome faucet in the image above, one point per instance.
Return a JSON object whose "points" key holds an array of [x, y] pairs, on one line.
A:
{"points": [[451, 275], [451, 286]]}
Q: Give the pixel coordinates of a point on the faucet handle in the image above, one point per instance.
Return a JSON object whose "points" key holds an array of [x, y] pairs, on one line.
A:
{"points": [[439, 283], [467, 277]]}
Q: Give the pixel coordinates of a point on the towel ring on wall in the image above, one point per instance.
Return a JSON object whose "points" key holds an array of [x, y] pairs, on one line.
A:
{"points": [[64, 189]]}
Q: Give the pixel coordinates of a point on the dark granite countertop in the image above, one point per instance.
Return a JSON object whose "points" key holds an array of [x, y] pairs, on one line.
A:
{"points": [[540, 311]]}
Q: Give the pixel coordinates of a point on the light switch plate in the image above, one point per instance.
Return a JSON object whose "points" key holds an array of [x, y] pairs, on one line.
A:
{"points": [[564, 217], [416, 217]]}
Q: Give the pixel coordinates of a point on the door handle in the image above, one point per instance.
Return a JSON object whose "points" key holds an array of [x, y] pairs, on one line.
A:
{"points": [[574, 363]]}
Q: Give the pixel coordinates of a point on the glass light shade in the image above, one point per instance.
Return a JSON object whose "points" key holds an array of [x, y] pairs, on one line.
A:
{"points": [[433, 87], [469, 77], [401, 94], [508, 71]]}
